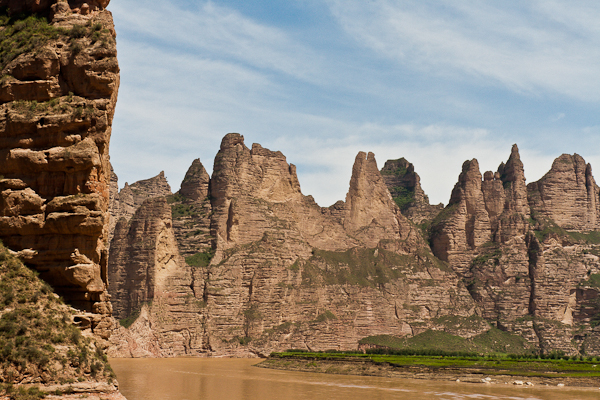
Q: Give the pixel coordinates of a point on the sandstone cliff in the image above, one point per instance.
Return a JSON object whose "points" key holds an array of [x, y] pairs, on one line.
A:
{"points": [[286, 272], [525, 276], [404, 185], [57, 100], [58, 92], [567, 195], [124, 203], [265, 268]]}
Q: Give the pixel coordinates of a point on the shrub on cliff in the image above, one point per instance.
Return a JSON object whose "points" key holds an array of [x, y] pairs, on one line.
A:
{"points": [[38, 341], [18, 36]]}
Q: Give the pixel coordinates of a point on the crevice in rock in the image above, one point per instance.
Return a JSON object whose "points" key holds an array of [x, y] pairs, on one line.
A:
{"points": [[533, 249], [230, 221]]}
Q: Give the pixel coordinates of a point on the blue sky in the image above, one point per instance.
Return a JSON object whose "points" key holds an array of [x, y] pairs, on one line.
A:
{"points": [[436, 82]]}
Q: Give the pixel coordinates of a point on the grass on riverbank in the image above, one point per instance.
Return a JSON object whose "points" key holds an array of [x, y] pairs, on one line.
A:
{"points": [[492, 341], [489, 365]]}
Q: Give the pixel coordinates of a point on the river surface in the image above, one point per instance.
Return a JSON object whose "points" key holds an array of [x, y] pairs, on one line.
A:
{"points": [[233, 379]]}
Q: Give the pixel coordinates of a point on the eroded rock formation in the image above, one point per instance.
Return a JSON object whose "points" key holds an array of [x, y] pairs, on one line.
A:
{"points": [[288, 273], [57, 105], [526, 274], [567, 195], [404, 185]]}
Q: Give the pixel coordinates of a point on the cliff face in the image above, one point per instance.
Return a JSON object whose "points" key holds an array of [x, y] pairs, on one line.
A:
{"points": [[567, 194], [494, 210], [264, 268], [57, 102], [124, 203], [526, 274], [404, 185], [287, 273]]}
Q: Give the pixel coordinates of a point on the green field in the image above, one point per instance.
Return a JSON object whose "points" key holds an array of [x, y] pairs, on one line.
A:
{"points": [[489, 365]]}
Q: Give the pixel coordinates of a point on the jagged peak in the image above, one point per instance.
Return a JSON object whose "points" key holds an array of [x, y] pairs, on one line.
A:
{"points": [[159, 179], [195, 184], [470, 173], [231, 140], [514, 153]]}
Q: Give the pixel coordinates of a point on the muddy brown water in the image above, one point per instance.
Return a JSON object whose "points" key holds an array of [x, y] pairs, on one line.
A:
{"points": [[232, 379]]}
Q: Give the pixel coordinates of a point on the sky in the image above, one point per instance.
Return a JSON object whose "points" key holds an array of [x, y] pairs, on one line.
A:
{"points": [[435, 82]]}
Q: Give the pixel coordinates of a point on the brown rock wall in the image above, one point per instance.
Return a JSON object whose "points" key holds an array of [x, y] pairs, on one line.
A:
{"points": [[404, 184], [56, 110], [567, 194]]}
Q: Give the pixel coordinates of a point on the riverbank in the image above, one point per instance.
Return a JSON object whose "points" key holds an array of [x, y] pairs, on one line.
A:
{"points": [[463, 369]]}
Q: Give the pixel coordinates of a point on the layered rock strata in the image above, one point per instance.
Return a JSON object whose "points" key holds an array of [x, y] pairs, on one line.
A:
{"points": [[256, 266], [288, 273], [522, 279], [125, 202], [568, 194], [494, 209], [404, 185], [56, 108]]}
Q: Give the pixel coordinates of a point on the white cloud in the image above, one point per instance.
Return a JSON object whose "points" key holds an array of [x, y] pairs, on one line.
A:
{"points": [[189, 77], [525, 50], [213, 29]]}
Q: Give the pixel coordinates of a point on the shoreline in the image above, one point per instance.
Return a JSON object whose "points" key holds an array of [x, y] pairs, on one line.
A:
{"points": [[367, 367]]}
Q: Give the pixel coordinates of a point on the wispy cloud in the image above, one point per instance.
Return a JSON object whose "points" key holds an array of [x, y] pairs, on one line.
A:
{"points": [[541, 47], [189, 76], [218, 31]]}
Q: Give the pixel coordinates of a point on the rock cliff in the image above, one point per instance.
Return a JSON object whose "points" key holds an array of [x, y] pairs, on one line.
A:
{"points": [[567, 195], [404, 185], [57, 98], [527, 275], [286, 272], [256, 266], [58, 93]]}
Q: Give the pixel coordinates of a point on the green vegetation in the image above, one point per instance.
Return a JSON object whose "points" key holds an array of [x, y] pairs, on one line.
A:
{"points": [[20, 34], [20, 393], [492, 252], [593, 280], [23, 35], [401, 170], [494, 341], [175, 198], [184, 210], [548, 227], [129, 320], [37, 336], [327, 315], [404, 197], [515, 365], [363, 267], [54, 106], [200, 259]]}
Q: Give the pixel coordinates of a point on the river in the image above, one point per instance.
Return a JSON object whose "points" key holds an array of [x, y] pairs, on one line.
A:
{"points": [[238, 379]]}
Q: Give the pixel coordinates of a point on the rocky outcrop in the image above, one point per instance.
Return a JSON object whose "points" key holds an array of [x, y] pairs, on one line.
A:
{"points": [[287, 273], [57, 104], [404, 185], [143, 251], [191, 210], [41, 346], [195, 183], [523, 279], [492, 210], [124, 203], [264, 268], [567, 195]]}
